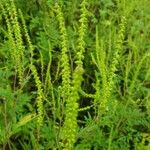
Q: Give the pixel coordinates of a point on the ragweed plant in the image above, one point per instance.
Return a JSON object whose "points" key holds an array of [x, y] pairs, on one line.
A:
{"points": [[40, 96], [99, 60], [15, 37], [64, 54], [105, 74], [58, 57], [71, 110], [27, 37], [66, 74], [116, 56], [16, 44]]}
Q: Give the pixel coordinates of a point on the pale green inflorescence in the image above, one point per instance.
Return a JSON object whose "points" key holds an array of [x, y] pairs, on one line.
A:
{"points": [[15, 37], [64, 57], [39, 96], [71, 109], [118, 49]]}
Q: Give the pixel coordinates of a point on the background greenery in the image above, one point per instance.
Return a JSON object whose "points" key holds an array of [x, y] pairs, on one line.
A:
{"points": [[75, 74]]}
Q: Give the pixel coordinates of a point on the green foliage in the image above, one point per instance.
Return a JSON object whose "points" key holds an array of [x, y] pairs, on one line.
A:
{"points": [[74, 75]]}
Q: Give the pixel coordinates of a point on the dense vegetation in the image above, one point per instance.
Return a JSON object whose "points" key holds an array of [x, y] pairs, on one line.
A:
{"points": [[75, 75]]}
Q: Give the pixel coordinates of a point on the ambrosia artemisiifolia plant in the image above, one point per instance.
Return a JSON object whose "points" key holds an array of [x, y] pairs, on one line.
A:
{"points": [[71, 88], [15, 37], [94, 99], [17, 50], [40, 95], [117, 53], [64, 53]]}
